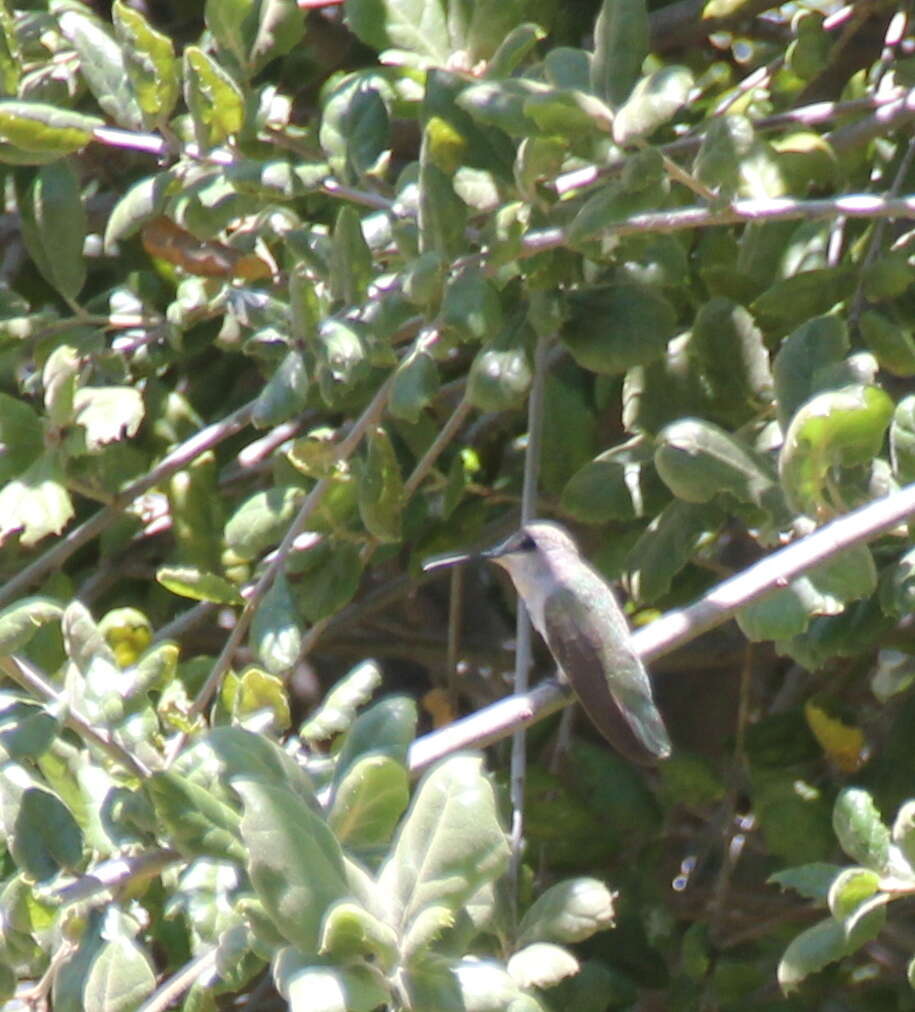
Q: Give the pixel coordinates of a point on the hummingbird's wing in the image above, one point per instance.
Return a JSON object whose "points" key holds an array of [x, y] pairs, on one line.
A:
{"points": [[607, 676]]}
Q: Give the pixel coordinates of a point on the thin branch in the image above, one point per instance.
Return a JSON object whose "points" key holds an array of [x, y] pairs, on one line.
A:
{"points": [[172, 989], [115, 873], [180, 457], [518, 771], [426, 462], [739, 212], [22, 673], [347, 447], [876, 239], [676, 627], [422, 468]]}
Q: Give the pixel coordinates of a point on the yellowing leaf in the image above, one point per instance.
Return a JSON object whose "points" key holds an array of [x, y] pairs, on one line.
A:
{"points": [[843, 744]]}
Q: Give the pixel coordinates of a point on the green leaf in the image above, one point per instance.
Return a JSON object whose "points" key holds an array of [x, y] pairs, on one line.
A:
{"points": [[20, 435], [654, 101], [260, 703], [355, 126], [611, 205], [416, 382], [198, 585], [214, 100], [275, 634], [789, 302], [415, 26], [501, 104], [813, 949], [101, 63], [338, 710], [787, 611], [255, 32], [144, 201], [107, 414], [260, 522], [350, 931], [892, 345], [499, 378], [486, 986], [351, 258], [46, 838], [610, 329], [809, 352], [620, 46], [569, 427], [567, 113], [60, 378], [813, 881], [225, 753], [152, 68], [904, 831], [513, 50], [368, 801], [20, 621], [841, 428], [381, 489], [386, 729], [732, 359], [120, 977], [342, 358], [902, 440], [198, 823], [450, 843], [10, 59], [666, 546], [37, 503], [471, 309], [860, 830], [442, 213], [850, 888], [294, 861], [619, 484], [27, 729], [54, 226], [698, 460], [334, 569], [735, 162], [541, 965], [42, 132], [317, 988], [284, 395], [569, 911]]}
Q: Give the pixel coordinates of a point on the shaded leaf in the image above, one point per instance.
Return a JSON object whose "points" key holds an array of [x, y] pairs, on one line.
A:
{"points": [[294, 861], [620, 46], [449, 845]]}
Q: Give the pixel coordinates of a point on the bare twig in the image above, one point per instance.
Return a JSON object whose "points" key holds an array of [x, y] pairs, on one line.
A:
{"points": [[116, 873]]}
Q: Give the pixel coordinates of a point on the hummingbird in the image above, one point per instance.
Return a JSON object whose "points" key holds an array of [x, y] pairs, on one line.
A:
{"points": [[577, 614]]}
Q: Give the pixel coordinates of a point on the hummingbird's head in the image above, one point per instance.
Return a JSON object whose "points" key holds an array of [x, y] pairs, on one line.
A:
{"points": [[538, 539]]}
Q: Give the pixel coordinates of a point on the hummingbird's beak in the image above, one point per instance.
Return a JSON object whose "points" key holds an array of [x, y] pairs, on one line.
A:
{"points": [[447, 559]]}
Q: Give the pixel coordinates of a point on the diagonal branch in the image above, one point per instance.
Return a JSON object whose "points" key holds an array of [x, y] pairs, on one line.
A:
{"points": [[676, 627]]}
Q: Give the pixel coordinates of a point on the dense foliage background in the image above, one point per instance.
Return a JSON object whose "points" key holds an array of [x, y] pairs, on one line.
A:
{"points": [[276, 285]]}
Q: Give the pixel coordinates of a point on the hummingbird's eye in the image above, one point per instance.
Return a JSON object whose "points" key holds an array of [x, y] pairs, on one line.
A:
{"points": [[526, 543]]}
